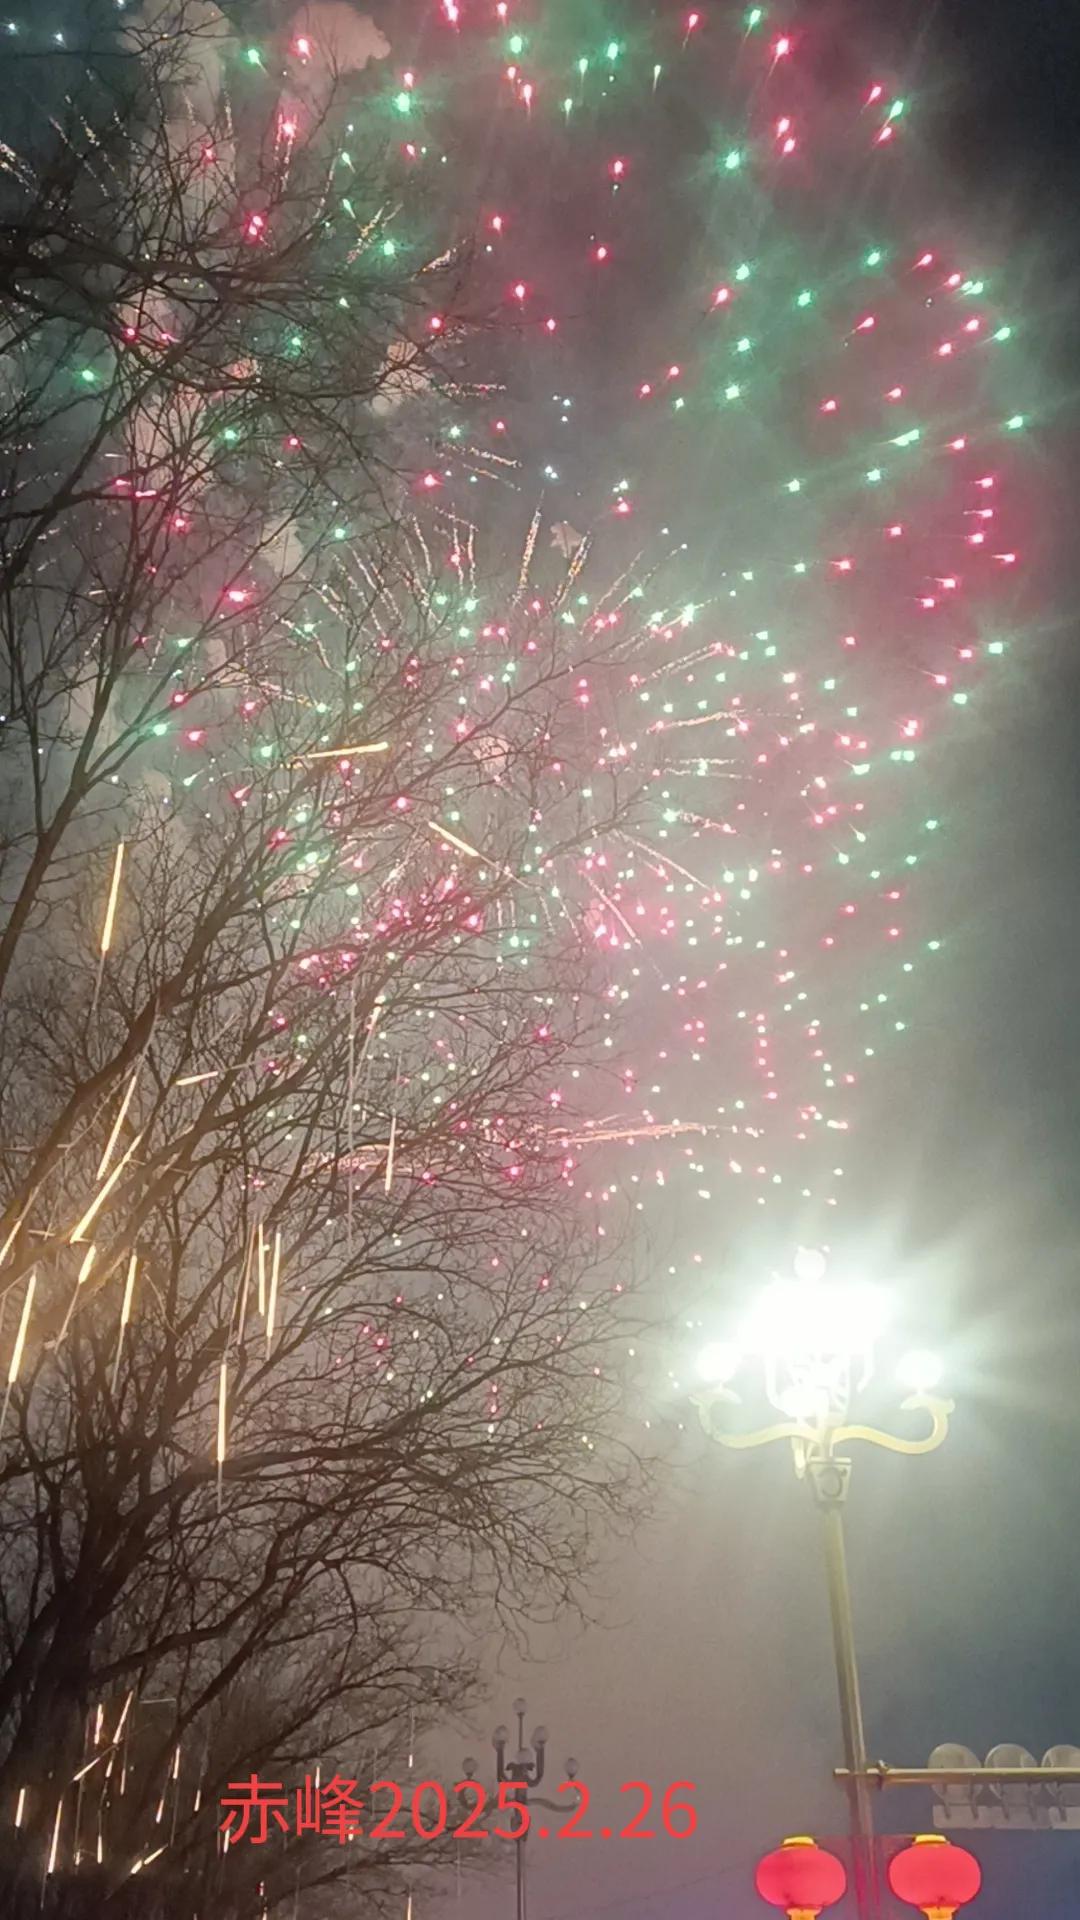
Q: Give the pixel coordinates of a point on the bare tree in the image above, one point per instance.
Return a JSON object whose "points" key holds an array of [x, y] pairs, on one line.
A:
{"points": [[308, 1358]]}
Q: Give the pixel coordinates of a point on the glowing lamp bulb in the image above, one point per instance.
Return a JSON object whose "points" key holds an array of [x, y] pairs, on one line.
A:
{"points": [[920, 1371], [718, 1363]]}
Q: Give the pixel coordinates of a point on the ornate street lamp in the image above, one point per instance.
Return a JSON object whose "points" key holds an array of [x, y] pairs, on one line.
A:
{"points": [[524, 1769], [814, 1342]]}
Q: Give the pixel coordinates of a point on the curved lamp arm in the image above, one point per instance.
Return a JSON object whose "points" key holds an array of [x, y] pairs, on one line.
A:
{"points": [[938, 1410], [809, 1440]]}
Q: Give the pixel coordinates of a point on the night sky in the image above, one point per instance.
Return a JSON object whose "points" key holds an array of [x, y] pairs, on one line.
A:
{"points": [[710, 1659]]}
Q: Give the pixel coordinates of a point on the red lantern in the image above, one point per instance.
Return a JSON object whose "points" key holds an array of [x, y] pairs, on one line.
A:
{"points": [[802, 1878], [935, 1876]]}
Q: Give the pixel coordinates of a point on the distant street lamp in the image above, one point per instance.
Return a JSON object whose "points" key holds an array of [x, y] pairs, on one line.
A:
{"points": [[815, 1342], [523, 1771]]}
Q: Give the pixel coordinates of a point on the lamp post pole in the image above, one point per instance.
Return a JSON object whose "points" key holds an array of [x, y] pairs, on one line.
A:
{"points": [[816, 1343], [829, 1484], [525, 1770]]}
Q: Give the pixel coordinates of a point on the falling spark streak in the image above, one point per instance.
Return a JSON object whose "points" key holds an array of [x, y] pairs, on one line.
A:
{"points": [[462, 845], [350, 1117], [110, 910], [390, 1154], [20, 1342], [146, 1859], [223, 1390], [20, 1806], [79, 1232], [271, 1310], [664, 860], [261, 1249], [365, 1060], [12, 1231], [662, 1130], [80, 1279], [528, 550], [125, 1316], [107, 929], [117, 1124], [242, 1287], [612, 908], [575, 567], [697, 720], [342, 753], [393, 1128], [55, 1838]]}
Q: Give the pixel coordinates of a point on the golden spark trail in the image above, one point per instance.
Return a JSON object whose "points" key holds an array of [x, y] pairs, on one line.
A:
{"points": [[79, 1232], [117, 1124], [125, 1315], [223, 1392], [20, 1342], [342, 753], [461, 845], [110, 910], [271, 1309]]}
